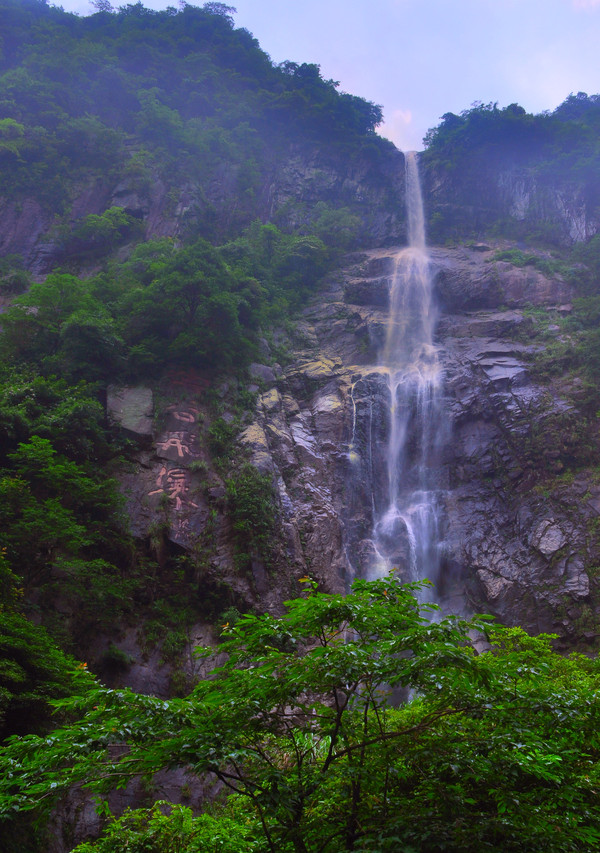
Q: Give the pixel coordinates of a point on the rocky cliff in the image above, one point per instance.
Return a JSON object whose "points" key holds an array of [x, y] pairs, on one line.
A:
{"points": [[521, 502], [369, 184], [514, 200]]}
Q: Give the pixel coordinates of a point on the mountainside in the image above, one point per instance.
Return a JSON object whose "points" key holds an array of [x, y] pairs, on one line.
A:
{"points": [[199, 252], [181, 121], [512, 174], [519, 463]]}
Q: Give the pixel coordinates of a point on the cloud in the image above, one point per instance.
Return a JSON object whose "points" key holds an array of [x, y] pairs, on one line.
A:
{"points": [[398, 127]]}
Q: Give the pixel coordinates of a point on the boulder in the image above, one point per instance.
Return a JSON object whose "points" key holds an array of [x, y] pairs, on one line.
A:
{"points": [[132, 408]]}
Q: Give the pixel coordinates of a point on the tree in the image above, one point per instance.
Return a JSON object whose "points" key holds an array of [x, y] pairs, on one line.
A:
{"points": [[102, 5], [11, 140], [497, 751], [192, 309], [220, 9]]}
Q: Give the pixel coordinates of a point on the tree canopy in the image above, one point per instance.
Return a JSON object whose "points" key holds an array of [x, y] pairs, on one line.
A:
{"points": [[133, 95], [491, 751], [466, 153]]}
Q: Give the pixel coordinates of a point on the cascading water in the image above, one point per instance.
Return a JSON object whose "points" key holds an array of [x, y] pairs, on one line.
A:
{"points": [[407, 527]]}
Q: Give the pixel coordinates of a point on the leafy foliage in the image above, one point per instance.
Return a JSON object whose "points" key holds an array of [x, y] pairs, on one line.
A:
{"points": [[32, 670], [13, 276], [195, 305], [177, 96], [174, 829], [497, 751], [95, 236], [251, 505], [467, 151]]}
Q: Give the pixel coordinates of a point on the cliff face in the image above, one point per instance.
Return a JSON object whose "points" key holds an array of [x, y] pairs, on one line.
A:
{"points": [[527, 198], [519, 529], [522, 542], [515, 200], [370, 184]]}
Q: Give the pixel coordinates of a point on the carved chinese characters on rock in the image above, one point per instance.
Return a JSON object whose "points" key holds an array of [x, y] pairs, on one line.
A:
{"points": [[178, 445], [182, 415], [175, 484], [178, 442]]}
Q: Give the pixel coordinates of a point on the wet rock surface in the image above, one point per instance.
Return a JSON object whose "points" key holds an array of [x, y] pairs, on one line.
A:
{"points": [[512, 545], [517, 540]]}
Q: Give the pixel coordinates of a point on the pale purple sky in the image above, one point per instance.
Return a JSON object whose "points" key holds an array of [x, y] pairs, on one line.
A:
{"points": [[422, 58]]}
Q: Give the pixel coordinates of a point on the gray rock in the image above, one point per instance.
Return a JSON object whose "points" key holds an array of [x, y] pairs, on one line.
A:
{"points": [[262, 372], [548, 537], [132, 408], [368, 292]]}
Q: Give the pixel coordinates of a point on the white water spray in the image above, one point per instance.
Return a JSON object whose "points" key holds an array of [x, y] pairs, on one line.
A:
{"points": [[407, 532]]}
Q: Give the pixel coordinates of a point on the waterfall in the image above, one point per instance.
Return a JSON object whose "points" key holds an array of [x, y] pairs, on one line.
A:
{"points": [[407, 530]]}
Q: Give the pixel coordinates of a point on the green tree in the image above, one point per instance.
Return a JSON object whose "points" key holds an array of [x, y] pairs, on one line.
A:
{"points": [[13, 276], [32, 670], [11, 140], [62, 327], [252, 509], [52, 509], [51, 408], [190, 307], [497, 751], [95, 235]]}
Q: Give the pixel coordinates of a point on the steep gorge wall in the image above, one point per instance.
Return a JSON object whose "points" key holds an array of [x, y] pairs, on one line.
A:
{"points": [[520, 522], [369, 183], [511, 199], [521, 542], [521, 528]]}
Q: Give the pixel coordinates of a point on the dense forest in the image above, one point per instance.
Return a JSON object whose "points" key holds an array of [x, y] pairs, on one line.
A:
{"points": [[465, 153], [167, 232]]}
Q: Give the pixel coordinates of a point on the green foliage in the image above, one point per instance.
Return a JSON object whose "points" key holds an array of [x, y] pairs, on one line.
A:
{"points": [[174, 829], [577, 350], [251, 506], [518, 258], [465, 153], [115, 659], [193, 310], [52, 509], [60, 326], [50, 408], [336, 227], [179, 95], [221, 440], [163, 306], [13, 276], [286, 267], [95, 236], [499, 750], [60, 512], [586, 273], [32, 670]]}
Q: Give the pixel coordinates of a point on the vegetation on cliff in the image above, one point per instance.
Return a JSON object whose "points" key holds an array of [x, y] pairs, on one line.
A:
{"points": [[121, 100], [128, 99], [296, 721], [478, 162]]}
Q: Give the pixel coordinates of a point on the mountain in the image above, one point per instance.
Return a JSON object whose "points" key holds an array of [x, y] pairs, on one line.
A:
{"points": [[198, 249], [180, 120]]}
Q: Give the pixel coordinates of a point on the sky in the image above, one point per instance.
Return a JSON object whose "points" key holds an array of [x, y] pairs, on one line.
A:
{"points": [[419, 59]]}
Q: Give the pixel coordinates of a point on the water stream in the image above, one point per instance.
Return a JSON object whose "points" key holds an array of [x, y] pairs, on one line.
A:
{"points": [[407, 532]]}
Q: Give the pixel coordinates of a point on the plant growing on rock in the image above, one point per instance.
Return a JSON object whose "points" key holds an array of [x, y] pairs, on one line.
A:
{"points": [[251, 504]]}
